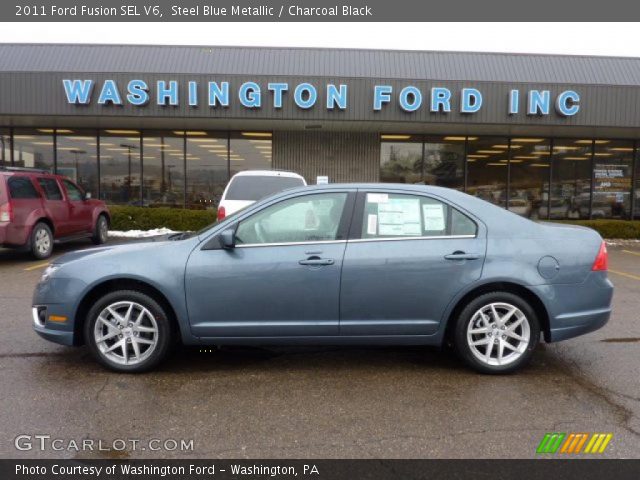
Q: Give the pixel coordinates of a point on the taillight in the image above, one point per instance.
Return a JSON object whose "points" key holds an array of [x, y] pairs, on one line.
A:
{"points": [[602, 259], [221, 213], [6, 212]]}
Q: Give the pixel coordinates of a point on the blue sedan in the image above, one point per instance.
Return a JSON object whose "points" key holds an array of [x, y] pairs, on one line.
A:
{"points": [[336, 264]]}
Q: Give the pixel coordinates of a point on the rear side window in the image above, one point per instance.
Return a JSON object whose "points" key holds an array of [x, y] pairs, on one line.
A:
{"points": [[74, 192], [255, 187], [50, 188], [405, 216], [22, 188]]}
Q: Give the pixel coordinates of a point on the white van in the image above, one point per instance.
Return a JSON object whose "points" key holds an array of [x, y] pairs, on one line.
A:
{"points": [[249, 186]]}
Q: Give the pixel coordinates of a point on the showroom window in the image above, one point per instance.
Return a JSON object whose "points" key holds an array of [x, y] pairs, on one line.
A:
{"points": [[444, 161], [33, 148], [529, 177], [120, 167], [487, 168], [5, 148], [250, 151], [207, 168], [571, 179], [636, 190], [401, 159], [612, 177], [163, 169], [77, 158]]}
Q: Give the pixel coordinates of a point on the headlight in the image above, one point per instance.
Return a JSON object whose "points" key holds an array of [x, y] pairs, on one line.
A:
{"points": [[49, 271]]}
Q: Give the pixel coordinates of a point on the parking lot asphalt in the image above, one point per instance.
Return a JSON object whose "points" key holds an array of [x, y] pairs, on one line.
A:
{"points": [[319, 402]]}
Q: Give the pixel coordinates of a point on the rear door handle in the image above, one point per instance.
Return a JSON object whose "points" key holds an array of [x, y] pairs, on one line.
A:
{"points": [[316, 261], [462, 256]]}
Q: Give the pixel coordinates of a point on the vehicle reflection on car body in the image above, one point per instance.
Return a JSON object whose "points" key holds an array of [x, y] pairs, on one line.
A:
{"points": [[336, 264]]}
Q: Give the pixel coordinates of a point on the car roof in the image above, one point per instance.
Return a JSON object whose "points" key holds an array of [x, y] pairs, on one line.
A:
{"points": [[267, 173]]}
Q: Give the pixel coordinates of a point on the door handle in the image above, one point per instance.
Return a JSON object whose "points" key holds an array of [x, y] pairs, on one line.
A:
{"points": [[462, 256], [317, 261]]}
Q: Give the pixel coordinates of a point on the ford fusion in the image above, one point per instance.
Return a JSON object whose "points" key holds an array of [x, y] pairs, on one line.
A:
{"points": [[336, 264]]}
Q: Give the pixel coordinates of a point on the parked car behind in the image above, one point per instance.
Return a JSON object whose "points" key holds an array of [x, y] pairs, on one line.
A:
{"points": [[38, 209], [249, 186], [335, 265]]}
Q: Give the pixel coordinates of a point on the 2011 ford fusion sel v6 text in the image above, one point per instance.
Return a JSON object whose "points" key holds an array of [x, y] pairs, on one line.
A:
{"points": [[336, 264]]}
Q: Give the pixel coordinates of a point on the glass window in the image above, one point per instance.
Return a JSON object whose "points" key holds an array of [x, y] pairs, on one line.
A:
{"points": [[250, 151], [401, 159], [73, 193], [207, 168], [33, 148], [613, 161], [310, 218], [444, 161], [120, 167], [50, 188], [487, 168], [637, 189], [5, 148], [571, 178], [163, 162], [77, 158], [529, 189], [22, 188], [399, 215], [255, 187]]}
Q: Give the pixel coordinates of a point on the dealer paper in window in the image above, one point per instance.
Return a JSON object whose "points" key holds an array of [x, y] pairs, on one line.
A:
{"points": [[399, 216], [433, 216]]}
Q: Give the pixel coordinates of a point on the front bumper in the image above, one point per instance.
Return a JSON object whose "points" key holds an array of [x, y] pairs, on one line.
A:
{"points": [[57, 297]]}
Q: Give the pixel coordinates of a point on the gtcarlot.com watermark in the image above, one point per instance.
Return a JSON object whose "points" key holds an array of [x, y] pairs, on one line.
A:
{"points": [[46, 443]]}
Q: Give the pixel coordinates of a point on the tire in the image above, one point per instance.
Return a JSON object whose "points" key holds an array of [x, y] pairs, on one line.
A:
{"points": [[476, 330], [116, 341], [41, 241], [101, 230]]}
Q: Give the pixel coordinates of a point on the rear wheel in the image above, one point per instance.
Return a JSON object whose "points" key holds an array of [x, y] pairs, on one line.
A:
{"points": [[497, 333], [41, 241], [101, 231], [128, 331]]}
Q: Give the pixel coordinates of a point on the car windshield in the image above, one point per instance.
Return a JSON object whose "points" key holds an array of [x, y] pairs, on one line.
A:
{"points": [[255, 187]]}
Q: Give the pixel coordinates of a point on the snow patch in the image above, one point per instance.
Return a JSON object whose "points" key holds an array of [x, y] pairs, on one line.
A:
{"points": [[140, 233]]}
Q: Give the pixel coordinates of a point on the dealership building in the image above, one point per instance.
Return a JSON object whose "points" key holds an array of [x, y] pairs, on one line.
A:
{"points": [[545, 136]]}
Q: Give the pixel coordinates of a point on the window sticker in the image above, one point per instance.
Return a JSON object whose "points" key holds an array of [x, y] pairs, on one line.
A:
{"points": [[433, 215], [400, 217], [372, 224], [377, 198]]}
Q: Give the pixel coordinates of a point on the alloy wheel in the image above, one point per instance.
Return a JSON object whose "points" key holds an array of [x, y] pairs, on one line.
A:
{"points": [[498, 334], [126, 333]]}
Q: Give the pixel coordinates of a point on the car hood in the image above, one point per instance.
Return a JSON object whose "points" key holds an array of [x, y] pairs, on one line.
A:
{"points": [[111, 249]]}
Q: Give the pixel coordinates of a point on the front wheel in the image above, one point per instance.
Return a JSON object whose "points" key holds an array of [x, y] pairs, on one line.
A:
{"points": [[100, 231], [128, 331], [497, 333]]}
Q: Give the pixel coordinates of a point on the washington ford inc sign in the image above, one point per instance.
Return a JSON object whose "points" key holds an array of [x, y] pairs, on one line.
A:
{"points": [[251, 95]]}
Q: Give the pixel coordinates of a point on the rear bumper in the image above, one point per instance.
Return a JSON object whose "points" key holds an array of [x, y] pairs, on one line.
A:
{"points": [[12, 235], [577, 309]]}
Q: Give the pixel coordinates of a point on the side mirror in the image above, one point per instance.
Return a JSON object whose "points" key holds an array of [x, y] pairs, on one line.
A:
{"points": [[87, 196], [228, 238]]}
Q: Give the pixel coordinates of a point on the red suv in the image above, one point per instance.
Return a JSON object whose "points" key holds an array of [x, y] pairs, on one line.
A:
{"points": [[38, 208]]}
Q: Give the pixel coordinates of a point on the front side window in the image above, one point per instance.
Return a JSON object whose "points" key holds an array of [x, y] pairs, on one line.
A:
{"points": [[74, 193], [22, 188], [398, 215], [310, 218], [50, 188]]}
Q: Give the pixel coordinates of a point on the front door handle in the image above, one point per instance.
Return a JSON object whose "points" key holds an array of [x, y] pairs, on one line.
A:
{"points": [[317, 261], [462, 256]]}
